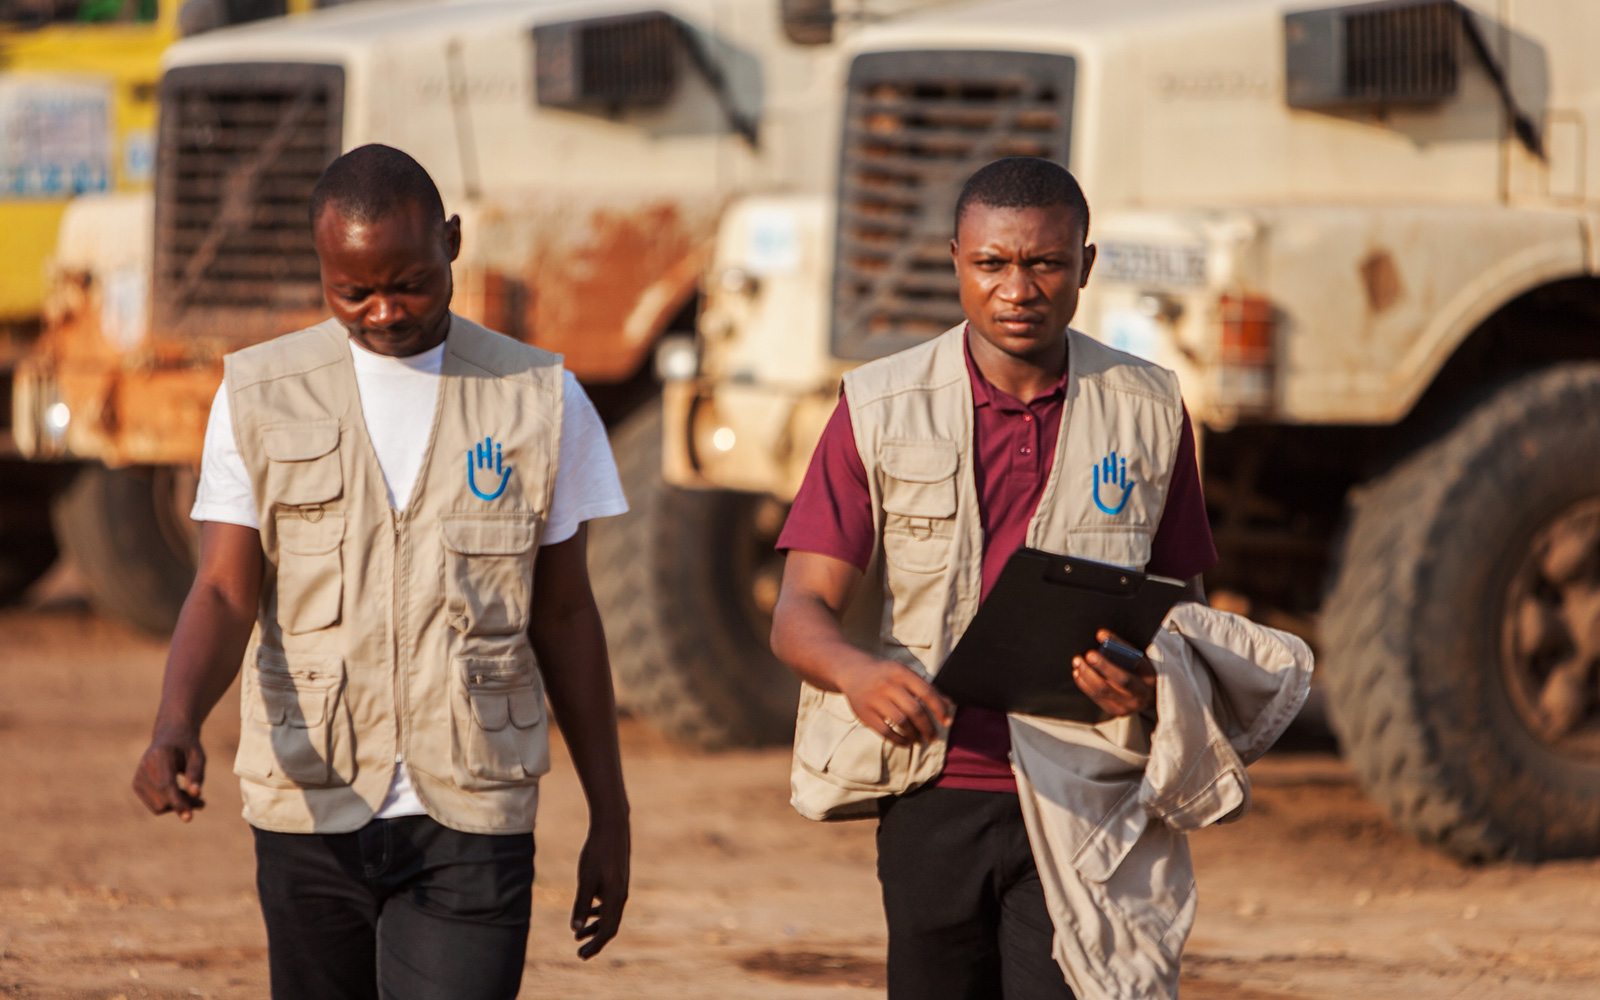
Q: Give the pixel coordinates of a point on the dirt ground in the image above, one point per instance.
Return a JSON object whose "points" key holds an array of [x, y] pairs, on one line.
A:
{"points": [[1311, 896]]}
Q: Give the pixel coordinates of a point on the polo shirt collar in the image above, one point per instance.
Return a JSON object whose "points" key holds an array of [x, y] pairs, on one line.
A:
{"points": [[983, 394]]}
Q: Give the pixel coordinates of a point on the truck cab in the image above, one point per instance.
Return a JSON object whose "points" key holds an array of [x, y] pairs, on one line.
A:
{"points": [[1363, 236]]}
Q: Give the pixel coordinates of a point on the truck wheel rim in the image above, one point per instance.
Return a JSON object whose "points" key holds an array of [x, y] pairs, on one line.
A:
{"points": [[1551, 633]]}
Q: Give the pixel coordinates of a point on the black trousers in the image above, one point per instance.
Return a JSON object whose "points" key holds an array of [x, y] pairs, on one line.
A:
{"points": [[966, 911], [404, 909]]}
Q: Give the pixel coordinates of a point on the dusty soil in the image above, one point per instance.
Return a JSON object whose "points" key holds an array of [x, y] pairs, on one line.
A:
{"points": [[1312, 896]]}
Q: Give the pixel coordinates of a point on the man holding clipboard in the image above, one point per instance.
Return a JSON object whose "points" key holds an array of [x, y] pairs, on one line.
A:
{"points": [[942, 461]]}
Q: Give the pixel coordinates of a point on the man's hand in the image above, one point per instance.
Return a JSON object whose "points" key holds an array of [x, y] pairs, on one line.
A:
{"points": [[564, 627], [895, 702], [170, 774], [889, 698], [213, 630], [1117, 691], [602, 886]]}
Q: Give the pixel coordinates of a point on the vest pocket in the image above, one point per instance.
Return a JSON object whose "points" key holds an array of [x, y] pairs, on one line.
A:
{"points": [[304, 462], [310, 570], [832, 744], [295, 731], [1118, 545], [488, 572], [919, 503], [916, 605], [498, 712]]}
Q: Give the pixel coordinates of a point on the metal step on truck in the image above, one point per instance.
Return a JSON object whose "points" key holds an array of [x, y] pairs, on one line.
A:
{"points": [[1365, 238]]}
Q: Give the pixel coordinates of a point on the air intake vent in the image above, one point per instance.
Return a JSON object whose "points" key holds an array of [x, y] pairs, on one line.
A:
{"points": [[240, 149], [1404, 54], [917, 125], [608, 62], [1387, 53]]}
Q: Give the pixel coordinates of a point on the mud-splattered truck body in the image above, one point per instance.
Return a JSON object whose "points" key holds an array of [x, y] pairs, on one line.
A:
{"points": [[1363, 236], [590, 148]]}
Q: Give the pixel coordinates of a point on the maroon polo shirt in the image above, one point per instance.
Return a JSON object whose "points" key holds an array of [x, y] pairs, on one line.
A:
{"points": [[1013, 448]]}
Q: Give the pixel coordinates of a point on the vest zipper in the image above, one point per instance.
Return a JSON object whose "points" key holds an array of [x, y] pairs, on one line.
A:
{"points": [[401, 573]]}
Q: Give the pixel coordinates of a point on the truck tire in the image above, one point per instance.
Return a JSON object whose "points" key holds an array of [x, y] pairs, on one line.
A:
{"points": [[684, 582], [27, 545], [24, 558], [1463, 632], [127, 532]]}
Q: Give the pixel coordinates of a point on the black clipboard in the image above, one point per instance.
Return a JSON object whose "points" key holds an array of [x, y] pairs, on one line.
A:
{"points": [[1016, 656]]}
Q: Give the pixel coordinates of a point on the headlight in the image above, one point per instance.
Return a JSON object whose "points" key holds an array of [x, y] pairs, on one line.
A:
{"points": [[56, 418], [677, 359]]}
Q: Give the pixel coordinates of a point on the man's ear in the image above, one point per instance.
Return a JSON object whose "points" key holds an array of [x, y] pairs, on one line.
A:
{"points": [[452, 236], [955, 250], [1089, 254]]}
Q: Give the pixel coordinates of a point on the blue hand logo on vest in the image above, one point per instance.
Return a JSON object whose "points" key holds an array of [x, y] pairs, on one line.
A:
{"points": [[486, 456], [1113, 472]]}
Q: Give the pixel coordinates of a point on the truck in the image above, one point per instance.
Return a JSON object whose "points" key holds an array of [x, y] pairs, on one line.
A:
{"points": [[77, 117], [590, 149], [76, 113], [1364, 236]]}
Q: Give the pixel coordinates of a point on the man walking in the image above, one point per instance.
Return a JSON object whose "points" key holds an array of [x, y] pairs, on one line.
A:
{"points": [[393, 544], [941, 461]]}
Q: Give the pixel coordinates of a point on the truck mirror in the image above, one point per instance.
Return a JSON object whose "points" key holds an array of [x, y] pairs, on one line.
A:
{"points": [[807, 22]]}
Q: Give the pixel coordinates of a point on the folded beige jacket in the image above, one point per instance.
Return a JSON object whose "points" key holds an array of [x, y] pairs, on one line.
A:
{"points": [[1108, 808]]}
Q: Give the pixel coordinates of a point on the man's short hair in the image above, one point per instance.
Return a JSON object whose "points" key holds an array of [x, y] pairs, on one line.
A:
{"points": [[372, 182], [1024, 182]]}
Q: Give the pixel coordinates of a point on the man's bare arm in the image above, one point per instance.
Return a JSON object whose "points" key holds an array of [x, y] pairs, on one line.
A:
{"points": [[807, 634], [570, 641], [213, 630]]}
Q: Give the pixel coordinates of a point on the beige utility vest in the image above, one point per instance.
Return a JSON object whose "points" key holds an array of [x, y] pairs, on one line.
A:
{"points": [[912, 415], [389, 636]]}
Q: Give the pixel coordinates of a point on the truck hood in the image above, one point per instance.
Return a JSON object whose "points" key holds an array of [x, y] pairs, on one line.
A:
{"points": [[1043, 24], [338, 34]]}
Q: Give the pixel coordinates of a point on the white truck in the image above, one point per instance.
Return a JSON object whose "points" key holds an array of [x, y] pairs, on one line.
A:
{"points": [[590, 147], [1365, 238]]}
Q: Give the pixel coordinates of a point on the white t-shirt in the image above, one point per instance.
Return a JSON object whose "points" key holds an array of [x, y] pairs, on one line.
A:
{"points": [[398, 397]]}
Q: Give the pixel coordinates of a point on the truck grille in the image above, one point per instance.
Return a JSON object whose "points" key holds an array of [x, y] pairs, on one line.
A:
{"points": [[916, 126], [240, 149]]}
